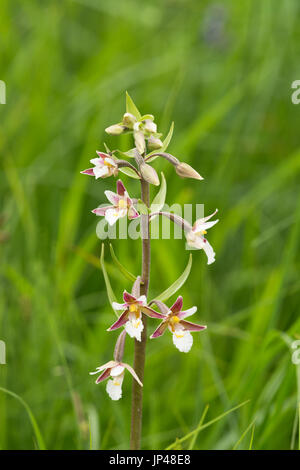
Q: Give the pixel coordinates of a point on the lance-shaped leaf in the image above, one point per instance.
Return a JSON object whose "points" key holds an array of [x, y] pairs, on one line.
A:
{"points": [[120, 266], [129, 154], [160, 198], [164, 147], [177, 284], [110, 293], [128, 169], [129, 172], [131, 107]]}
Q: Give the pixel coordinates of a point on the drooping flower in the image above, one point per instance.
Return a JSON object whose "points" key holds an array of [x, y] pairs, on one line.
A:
{"points": [[115, 371], [133, 307], [105, 165], [195, 236], [121, 206], [180, 328]]}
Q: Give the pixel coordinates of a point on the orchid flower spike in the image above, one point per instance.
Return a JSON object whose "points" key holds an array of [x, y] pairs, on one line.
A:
{"points": [[195, 236], [121, 206], [180, 328], [105, 165], [115, 371], [133, 307]]}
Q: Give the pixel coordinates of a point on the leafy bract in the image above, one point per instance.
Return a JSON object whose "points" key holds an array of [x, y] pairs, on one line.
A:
{"points": [[160, 198], [110, 293], [131, 107], [120, 266], [166, 294]]}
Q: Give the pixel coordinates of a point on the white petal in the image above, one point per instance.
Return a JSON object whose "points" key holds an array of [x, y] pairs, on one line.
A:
{"points": [[118, 370], [111, 161], [205, 225], [194, 240], [112, 197], [95, 372], [117, 306], [189, 312], [100, 171], [205, 219], [112, 215], [143, 299], [114, 388], [134, 328], [97, 161], [209, 252], [183, 340], [108, 365]]}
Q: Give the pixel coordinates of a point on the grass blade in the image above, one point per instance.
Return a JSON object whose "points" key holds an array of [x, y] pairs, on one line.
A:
{"points": [[204, 426], [251, 425], [37, 432], [194, 438]]}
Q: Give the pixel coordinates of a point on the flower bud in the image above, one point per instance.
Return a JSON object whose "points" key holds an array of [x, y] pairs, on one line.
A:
{"points": [[119, 348], [139, 140], [149, 174], [154, 143], [115, 129], [129, 120], [186, 171], [150, 126]]}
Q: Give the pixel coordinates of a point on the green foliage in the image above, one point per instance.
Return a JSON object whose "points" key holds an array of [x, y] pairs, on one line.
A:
{"points": [[222, 73], [166, 294], [119, 265], [131, 107], [160, 198]]}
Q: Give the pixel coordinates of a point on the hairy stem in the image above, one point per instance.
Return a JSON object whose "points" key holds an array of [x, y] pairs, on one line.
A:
{"points": [[140, 346]]}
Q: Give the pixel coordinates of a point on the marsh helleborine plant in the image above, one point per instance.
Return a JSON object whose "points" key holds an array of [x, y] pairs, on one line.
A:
{"points": [[135, 309]]}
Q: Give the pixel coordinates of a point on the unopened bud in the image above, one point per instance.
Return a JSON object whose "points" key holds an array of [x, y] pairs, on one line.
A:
{"points": [[149, 174], [186, 171], [139, 140], [119, 348], [154, 143], [150, 126], [129, 120], [115, 129]]}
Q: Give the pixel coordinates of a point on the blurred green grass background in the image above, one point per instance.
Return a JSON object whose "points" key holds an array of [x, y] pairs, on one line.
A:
{"points": [[223, 72]]}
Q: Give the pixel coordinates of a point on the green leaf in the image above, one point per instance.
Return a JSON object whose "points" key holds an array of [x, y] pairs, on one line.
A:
{"points": [[37, 432], [120, 266], [110, 293], [129, 172], [160, 198], [165, 144], [131, 107], [166, 294], [129, 154]]}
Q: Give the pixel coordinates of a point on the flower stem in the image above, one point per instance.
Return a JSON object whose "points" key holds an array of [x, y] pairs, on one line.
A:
{"points": [[140, 346]]}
